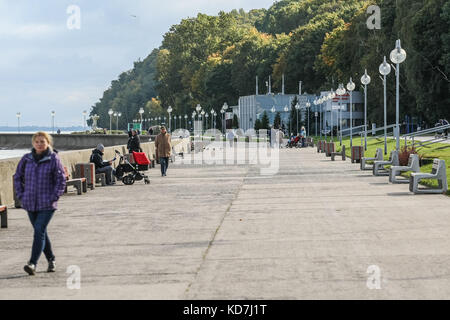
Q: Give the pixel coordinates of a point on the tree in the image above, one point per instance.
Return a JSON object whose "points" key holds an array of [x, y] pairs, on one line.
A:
{"points": [[265, 121], [257, 125], [277, 121], [235, 124]]}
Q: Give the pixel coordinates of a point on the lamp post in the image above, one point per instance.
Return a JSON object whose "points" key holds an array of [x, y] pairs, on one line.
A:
{"points": [[286, 109], [350, 88], [117, 116], [222, 111], [169, 110], [110, 112], [185, 121], [385, 69], [365, 80], [308, 105], [315, 103], [206, 120], [18, 115], [203, 117], [141, 112], [297, 106], [340, 91], [398, 55], [53, 113], [224, 108], [84, 119], [212, 117]]}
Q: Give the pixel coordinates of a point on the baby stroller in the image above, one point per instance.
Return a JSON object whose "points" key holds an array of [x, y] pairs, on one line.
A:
{"points": [[294, 143], [130, 172]]}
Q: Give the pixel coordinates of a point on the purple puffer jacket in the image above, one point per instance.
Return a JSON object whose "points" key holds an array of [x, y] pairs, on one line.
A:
{"points": [[39, 184]]}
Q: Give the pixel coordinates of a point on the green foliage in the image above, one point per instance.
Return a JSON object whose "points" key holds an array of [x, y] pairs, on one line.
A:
{"points": [[277, 121], [235, 124], [210, 60], [265, 121], [257, 125]]}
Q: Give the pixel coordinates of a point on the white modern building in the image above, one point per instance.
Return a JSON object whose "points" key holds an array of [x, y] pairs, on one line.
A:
{"points": [[252, 107]]}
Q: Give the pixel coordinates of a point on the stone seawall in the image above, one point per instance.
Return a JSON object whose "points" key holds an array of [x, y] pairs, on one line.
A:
{"points": [[66, 141], [70, 158]]}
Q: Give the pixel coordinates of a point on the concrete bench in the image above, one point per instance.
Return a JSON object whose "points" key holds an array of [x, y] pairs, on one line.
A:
{"points": [[4, 216], [342, 154], [79, 184], [438, 172], [378, 157], [413, 165], [378, 168], [329, 148], [309, 142], [86, 170]]}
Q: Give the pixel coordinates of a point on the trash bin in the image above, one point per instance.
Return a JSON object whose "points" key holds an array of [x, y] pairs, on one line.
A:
{"points": [[357, 153]]}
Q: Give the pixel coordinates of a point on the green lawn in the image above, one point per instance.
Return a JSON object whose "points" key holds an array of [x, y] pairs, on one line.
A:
{"points": [[437, 150]]}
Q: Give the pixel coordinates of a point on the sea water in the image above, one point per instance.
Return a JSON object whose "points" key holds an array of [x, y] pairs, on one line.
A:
{"points": [[6, 154]]}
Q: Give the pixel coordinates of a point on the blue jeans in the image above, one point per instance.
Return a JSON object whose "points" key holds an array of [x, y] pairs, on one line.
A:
{"points": [[41, 241], [164, 161], [108, 171]]}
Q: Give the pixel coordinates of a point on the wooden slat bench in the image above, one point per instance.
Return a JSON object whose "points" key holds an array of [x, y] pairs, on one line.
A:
{"points": [[79, 184], [86, 170]]}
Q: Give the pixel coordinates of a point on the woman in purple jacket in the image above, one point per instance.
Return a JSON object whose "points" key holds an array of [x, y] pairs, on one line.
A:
{"points": [[39, 182]]}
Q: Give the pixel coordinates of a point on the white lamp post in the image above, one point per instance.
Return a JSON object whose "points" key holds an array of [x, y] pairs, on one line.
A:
{"points": [[297, 106], [385, 69], [341, 91], [110, 112], [222, 111], [117, 120], [398, 55], [206, 120], [350, 88], [169, 110], [199, 109], [53, 113], [84, 119], [185, 121], [286, 109], [308, 105], [224, 108], [18, 115], [203, 117], [365, 80], [212, 117], [141, 112]]}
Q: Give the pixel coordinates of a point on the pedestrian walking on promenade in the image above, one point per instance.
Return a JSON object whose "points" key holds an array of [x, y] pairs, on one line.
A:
{"points": [[303, 136], [163, 147], [39, 181]]}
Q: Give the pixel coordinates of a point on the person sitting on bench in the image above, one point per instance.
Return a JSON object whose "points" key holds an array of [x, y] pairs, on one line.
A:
{"points": [[102, 166]]}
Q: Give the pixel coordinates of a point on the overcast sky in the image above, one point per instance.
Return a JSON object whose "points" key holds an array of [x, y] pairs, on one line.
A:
{"points": [[46, 66]]}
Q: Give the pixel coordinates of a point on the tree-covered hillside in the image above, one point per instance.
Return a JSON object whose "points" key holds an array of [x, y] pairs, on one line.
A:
{"points": [[214, 59]]}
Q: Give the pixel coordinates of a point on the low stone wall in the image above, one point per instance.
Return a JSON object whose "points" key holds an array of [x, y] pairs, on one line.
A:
{"points": [[70, 158], [66, 141]]}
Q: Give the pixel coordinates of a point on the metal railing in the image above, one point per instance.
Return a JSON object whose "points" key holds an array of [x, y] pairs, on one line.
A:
{"points": [[433, 131]]}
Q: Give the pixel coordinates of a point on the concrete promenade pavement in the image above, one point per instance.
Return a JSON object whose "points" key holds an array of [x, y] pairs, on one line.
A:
{"points": [[225, 232]]}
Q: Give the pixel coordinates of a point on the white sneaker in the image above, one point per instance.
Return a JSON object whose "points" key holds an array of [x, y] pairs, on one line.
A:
{"points": [[30, 269]]}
